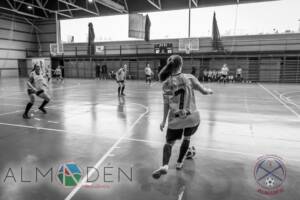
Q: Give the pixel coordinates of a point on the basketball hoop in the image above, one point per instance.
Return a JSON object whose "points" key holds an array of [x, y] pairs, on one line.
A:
{"points": [[188, 44], [56, 50]]}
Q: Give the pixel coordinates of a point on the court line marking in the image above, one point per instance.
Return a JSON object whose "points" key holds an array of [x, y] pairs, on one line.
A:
{"points": [[53, 122], [52, 89], [7, 104], [12, 112], [34, 110], [209, 149], [109, 152], [286, 99], [108, 135], [180, 195], [135, 139], [280, 101]]}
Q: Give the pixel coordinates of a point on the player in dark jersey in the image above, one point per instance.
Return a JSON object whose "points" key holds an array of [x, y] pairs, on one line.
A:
{"points": [[180, 109]]}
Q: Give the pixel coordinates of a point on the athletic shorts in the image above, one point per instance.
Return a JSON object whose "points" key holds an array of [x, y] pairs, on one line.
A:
{"points": [[121, 81], [176, 134], [224, 76], [148, 76], [29, 91]]}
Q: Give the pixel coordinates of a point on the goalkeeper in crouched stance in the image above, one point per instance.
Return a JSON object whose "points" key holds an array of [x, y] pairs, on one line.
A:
{"points": [[36, 86]]}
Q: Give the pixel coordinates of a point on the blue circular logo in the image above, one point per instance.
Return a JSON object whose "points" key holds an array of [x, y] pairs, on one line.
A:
{"points": [[270, 172]]}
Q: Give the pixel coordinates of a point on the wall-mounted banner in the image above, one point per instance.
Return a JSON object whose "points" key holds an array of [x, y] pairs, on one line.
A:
{"points": [[99, 49]]}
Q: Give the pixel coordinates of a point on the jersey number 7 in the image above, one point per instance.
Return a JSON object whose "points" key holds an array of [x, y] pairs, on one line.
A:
{"points": [[180, 92]]}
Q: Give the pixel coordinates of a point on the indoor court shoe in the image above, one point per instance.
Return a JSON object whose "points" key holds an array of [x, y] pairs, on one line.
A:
{"points": [[161, 171], [123, 94], [25, 116], [179, 166], [43, 110]]}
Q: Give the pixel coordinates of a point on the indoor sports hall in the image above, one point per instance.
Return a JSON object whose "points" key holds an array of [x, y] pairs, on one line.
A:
{"points": [[83, 99]]}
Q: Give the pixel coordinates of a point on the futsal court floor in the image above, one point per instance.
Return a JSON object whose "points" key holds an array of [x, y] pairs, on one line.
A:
{"points": [[89, 125]]}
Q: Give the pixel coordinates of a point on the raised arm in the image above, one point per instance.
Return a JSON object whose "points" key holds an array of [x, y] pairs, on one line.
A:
{"points": [[199, 87]]}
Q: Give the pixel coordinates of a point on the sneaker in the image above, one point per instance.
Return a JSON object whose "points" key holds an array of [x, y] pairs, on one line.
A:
{"points": [[179, 166], [25, 116], [161, 171], [43, 110], [123, 94]]}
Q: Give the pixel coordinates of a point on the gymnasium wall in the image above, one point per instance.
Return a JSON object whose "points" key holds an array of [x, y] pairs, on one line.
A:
{"points": [[260, 65], [85, 68], [245, 43], [263, 69], [253, 43], [47, 35], [17, 38]]}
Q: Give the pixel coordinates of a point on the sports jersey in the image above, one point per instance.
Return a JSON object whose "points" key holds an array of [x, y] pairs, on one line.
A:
{"points": [[48, 72], [178, 93], [57, 71], [148, 71], [37, 80], [239, 71], [224, 71], [121, 75]]}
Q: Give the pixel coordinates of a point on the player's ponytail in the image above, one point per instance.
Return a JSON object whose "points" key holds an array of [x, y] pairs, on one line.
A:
{"points": [[34, 67], [174, 62]]}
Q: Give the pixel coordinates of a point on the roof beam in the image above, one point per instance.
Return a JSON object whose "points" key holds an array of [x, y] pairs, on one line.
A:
{"points": [[23, 13], [9, 3], [79, 7], [96, 7], [42, 7], [113, 5], [195, 2], [156, 5], [46, 9], [62, 14], [69, 9], [45, 3]]}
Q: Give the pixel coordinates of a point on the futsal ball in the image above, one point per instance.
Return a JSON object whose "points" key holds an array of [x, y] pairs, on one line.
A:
{"points": [[191, 152], [270, 182]]}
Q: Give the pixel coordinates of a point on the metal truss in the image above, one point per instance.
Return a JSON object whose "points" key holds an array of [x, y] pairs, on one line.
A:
{"points": [[114, 5], [195, 2], [74, 5], [156, 4]]}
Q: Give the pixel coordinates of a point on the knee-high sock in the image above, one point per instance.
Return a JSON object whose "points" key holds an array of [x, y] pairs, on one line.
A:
{"points": [[119, 90], [28, 106], [167, 154], [44, 103], [122, 92], [183, 149]]}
